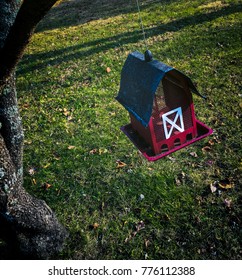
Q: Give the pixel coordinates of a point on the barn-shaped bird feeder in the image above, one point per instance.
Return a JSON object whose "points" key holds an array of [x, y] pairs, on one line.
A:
{"points": [[159, 101]]}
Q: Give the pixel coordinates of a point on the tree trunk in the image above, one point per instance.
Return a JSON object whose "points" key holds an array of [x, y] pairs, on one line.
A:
{"points": [[27, 224], [20, 32]]}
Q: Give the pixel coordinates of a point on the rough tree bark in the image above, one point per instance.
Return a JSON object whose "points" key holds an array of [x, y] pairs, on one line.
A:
{"points": [[27, 224]]}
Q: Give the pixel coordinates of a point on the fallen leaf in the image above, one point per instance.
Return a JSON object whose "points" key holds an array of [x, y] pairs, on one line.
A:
{"points": [[46, 166], [178, 181], [193, 154], [211, 142], [171, 158], [57, 158], [71, 147], [181, 178], [69, 118], [147, 243], [31, 171], [120, 164], [102, 151], [138, 227], [228, 202], [26, 105], [34, 181], [216, 139], [127, 239], [108, 69], [66, 112], [27, 142], [206, 149], [94, 151], [166, 217], [95, 225], [209, 162], [46, 186], [225, 184], [213, 187]]}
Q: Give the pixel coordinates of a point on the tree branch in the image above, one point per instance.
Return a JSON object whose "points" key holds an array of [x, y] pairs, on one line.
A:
{"points": [[29, 15]]}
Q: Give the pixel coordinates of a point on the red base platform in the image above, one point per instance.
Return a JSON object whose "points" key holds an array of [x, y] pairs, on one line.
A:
{"points": [[145, 149]]}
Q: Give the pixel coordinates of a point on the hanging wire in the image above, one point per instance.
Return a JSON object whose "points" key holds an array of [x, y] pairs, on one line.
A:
{"points": [[141, 24]]}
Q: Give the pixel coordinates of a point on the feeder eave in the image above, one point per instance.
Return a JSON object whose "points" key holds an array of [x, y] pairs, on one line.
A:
{"points": [[139, 82], [190, 83]]}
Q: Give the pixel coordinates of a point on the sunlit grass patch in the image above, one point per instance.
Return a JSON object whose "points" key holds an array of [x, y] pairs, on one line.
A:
{"points": [[114, 203]]}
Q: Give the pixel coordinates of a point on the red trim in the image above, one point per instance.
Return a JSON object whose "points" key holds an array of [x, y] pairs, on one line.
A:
{"points": [[202, 132]]}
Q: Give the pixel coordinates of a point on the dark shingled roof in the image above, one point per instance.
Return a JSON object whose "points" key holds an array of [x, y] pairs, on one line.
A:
{"points": [[139, 82]]}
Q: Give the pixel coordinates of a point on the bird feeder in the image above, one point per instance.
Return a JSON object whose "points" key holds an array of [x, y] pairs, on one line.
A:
{"points": [[159, 101]]}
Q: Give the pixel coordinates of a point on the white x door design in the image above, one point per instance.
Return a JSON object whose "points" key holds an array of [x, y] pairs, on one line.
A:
{"points": [[174, 122]]}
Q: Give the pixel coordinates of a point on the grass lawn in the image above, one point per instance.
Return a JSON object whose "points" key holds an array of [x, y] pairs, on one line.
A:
{"points": [[114, 203]]}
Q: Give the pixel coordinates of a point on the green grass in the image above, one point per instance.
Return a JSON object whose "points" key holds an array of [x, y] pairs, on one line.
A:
{"points": [[159, 210]]}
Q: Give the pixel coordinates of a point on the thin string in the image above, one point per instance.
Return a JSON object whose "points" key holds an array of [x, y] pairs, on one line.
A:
{"points": [[141, 24]]}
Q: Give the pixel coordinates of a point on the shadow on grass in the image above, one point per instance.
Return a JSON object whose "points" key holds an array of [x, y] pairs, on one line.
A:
{"points": [[97, 46], [83, 11]]}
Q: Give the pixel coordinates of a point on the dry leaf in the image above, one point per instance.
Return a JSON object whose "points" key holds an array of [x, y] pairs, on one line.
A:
{"points": [[31, 171], [102, 151], [228, 202], [149, 168], [213, 187], [108, 69], [26, 105], [171, 158], [95, 225], [211, 142], [147, 243], [127, 239], [120, 164], [215, 140], [206, 149], [27, 142], [225, 184], [71, 147], [46, 166], [178, 181], [69, 118], [209, 162], [193, 154], [139, 226], [94, 151], [66, 112], [46, 186]]}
